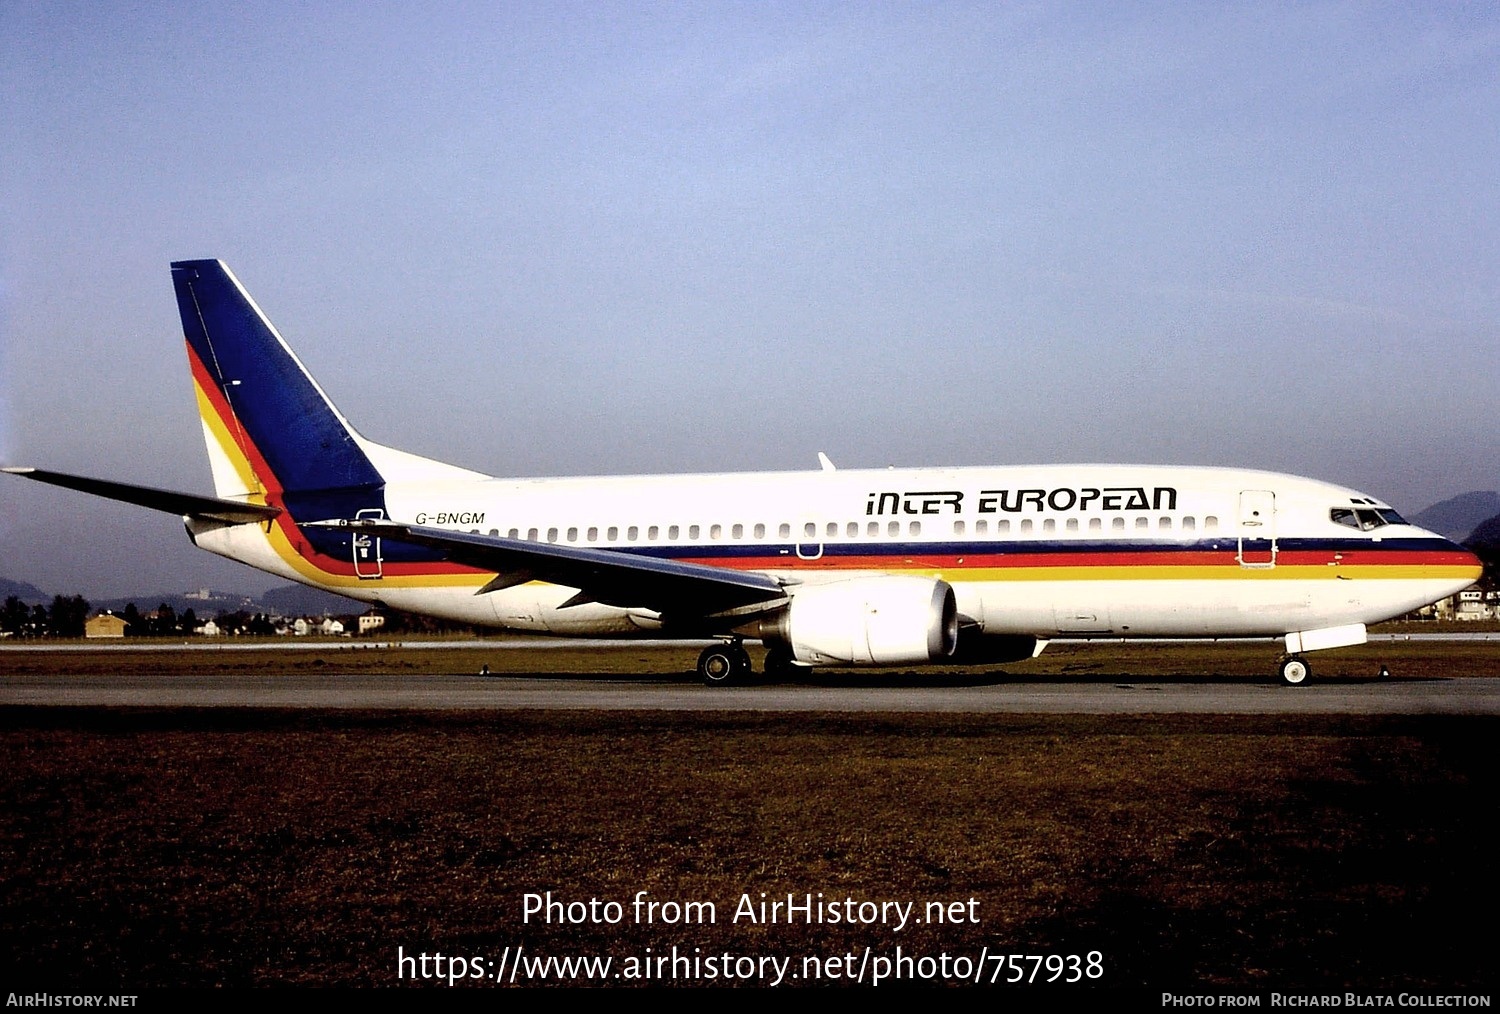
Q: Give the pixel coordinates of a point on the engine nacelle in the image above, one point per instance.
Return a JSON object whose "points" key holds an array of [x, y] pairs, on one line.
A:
{"points": [[870, 621]]}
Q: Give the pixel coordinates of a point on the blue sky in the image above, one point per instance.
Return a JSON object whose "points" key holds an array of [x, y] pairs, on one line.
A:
{"points": [[565, 239]]}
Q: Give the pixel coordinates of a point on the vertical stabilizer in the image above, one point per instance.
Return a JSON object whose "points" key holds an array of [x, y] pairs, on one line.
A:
{"points": [[269, 427]]}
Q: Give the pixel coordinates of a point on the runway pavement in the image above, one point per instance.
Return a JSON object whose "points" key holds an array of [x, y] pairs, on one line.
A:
{"points": [[673, 692]]}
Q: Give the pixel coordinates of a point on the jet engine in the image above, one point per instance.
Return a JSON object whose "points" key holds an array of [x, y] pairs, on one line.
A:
{"points": [[868, 621]]}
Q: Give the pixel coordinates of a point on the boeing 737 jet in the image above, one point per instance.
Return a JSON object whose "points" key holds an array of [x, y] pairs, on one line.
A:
{"points": [[827, 567]]}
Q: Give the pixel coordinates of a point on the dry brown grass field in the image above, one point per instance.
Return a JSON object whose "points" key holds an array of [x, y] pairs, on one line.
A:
{"points": [[144, 848]]}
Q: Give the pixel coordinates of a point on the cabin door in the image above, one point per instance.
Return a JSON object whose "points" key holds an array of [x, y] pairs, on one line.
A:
{"points": [[1257, 528], [367, 565]]}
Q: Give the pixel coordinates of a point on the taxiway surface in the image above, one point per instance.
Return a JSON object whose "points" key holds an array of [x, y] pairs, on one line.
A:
{"points": [[1088, 695]]}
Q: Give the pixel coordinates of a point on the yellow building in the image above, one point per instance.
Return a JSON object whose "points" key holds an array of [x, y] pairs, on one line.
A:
{"points": [[104, 625]]}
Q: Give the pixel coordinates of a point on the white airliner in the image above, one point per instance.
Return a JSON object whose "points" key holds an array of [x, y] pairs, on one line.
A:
{"points": [[827, 567]]}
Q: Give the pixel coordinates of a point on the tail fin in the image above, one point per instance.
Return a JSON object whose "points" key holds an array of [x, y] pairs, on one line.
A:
{"points": [[269, 427]]}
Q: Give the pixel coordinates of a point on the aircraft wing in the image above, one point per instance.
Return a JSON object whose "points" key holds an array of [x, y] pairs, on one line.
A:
{"points": [[606, 576], [232, 511]]}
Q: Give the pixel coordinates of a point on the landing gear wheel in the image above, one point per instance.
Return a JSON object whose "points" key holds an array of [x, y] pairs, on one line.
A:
{"points": [[779, 662], [1295, 671], [723, 664]]}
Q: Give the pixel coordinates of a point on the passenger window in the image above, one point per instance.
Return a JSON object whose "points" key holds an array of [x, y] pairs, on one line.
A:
{"points": [[851, 529], [552, 535], [1026, 527], [1189, 524], [1002, 527], [958, 528], [515, 533], [1118, 524], [1165, 524], [1072, 524], [810, 530], [693, 531], [784, 531], [572, 534], [672, 532], [873, 529], [614, 533], [894, 528], [981, 526], [653, 533], [833, 529], [494, 531], [1141, 524], [738, 531], [632, 533], [760, 530], [715, 531], [531, 534], [1210, 524], [1049, 525], [1096, 524], [593, 533], [915, 528]]}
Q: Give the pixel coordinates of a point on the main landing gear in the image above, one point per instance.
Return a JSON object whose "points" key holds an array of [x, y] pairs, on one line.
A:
{"points": [[723, 664], [1295, 671]]}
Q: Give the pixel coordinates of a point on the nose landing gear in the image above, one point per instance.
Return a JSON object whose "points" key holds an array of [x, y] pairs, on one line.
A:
{"points": [[1295, 671]]}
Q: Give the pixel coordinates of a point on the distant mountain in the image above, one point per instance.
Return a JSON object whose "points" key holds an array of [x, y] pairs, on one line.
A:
{"points": [[1457, 517], [1486, 535], [289, 600], [27, 593], [300, 600], [203, 603]]}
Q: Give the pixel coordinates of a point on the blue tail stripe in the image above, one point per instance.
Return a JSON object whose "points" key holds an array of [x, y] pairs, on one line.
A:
{"points": [[285, 416]]}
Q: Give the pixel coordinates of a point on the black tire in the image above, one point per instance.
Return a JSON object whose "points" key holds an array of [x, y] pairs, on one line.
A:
{"points": [[719, 665], [779, 662], [743, 667], [1295, 671]]}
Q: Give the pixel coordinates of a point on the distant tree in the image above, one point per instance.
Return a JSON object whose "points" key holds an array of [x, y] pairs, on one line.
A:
{"points": [[188, 622], [13, 616], [134, 625], [232, 622], [37, 626], [67, 616], [399, 622], [165, 623]]}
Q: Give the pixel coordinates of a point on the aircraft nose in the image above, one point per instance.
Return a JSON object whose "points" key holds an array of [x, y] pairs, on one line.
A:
{"points": [[1465, 561]]}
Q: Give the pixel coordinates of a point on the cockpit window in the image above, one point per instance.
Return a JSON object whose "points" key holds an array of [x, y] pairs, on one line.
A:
{"points": [[1365, 519]]}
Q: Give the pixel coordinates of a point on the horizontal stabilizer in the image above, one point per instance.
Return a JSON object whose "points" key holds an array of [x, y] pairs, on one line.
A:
{"points": [[232, 511]]}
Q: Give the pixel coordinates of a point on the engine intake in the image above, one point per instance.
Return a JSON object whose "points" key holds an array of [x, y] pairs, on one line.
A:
{"points": [[869, 621]]}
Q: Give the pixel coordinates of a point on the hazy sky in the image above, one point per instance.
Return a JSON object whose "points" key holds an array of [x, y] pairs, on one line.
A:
{"points": [[563, 238]]}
